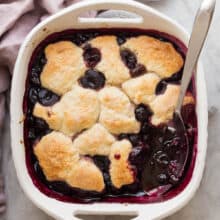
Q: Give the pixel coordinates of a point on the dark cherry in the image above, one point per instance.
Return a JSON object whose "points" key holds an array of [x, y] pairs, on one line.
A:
{"points": [[175, 78], [91, 56], [93, 79], [81, 38], [107, 180], [103, 163], [161, 158], [129, 58], [40, 124], [43, 93], [135, 139], [37, 67], [138, 70], [33, 94], [38, 63], [138, 156], [171, 143], [61, 187], [146, 138], [174, 167], [142, 113], [43, 60], [122, 37], [121, 40], [31, 134], [35, 79], [37, 168], [47, 97], [173, 179], [117, 156], [38, 127], [162, 178], [30, 119], [161, 87], [145, 128], [40, 59]]}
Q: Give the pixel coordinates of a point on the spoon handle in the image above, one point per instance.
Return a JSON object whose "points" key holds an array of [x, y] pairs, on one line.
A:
{"points": [[200, 30]]}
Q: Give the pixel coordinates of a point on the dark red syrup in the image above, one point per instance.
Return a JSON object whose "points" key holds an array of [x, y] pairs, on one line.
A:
{"points": [[156, 150]]}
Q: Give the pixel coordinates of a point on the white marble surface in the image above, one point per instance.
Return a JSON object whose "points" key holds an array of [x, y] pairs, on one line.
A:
{"points": [[206, 203]]}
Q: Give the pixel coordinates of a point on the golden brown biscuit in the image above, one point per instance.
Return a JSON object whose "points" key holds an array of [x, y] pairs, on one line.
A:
{"points": [[120, 170], [94, 141], [64, 66], [87, 176], [77, 110], [157, 56], [117, 123], [163, 105], [56, 155], [141, 89], [111, 64], [117, 112], [61, 161]]}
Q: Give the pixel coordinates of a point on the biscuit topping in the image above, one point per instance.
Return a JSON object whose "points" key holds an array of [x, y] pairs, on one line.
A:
{"points": [[99, 109]]}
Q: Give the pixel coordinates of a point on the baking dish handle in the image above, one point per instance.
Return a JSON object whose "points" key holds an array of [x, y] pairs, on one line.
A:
{"points": [[125, 5], [69, 217], [72, 216], [76, 218]]}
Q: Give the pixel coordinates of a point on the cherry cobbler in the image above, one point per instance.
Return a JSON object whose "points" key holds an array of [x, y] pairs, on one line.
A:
{"points": [[98, 111]]}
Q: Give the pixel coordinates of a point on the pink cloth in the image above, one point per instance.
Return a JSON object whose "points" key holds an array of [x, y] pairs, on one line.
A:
{"points": [[17, 18]]}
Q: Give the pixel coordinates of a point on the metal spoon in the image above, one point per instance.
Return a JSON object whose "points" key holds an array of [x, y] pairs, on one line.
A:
{"points": [[199, 33], [198, 36]]}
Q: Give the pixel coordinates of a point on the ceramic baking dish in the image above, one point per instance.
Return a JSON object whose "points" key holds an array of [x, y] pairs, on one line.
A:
{"points": [[69, 19]]}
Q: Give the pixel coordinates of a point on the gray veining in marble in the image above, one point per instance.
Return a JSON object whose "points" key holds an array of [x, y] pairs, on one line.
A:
{"points": [[206, 203]]}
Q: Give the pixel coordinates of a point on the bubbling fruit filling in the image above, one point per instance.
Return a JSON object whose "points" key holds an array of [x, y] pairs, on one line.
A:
{"points": [[99, 110]]}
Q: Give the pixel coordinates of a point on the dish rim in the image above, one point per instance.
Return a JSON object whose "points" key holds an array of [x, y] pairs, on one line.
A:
{"points": [[63, 210]]}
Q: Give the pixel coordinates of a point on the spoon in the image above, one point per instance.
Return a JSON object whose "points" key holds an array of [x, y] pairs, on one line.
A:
{"points": [[199, 33], [198, 36]]}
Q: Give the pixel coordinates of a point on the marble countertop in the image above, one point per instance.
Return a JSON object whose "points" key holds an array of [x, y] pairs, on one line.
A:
{"points": [[206, 203]]}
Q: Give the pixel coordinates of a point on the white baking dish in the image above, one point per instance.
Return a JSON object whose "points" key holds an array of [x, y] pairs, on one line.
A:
{"points": [[69, 19]]}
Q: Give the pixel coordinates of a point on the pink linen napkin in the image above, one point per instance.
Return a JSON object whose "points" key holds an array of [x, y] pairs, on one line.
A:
{"points": [[17, 18]]}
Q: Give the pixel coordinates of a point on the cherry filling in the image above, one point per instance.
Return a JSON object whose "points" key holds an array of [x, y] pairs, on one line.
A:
{"points": [[79, 38], [123, 36], [174, 79], [142, 113], [93, 79], [161, 87], [165, 159], [43, 96], [157, 152], [91, 56], [130, 60]]}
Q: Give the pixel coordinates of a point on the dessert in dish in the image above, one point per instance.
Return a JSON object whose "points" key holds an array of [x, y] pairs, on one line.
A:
{"points": [[98, 116]]}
